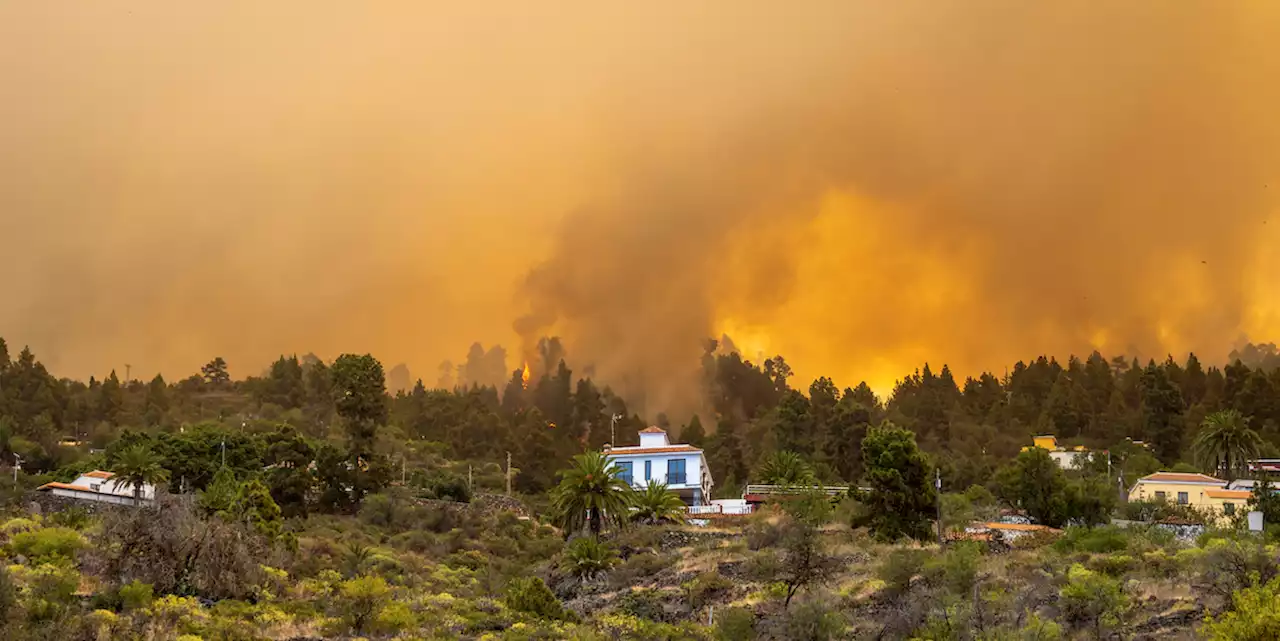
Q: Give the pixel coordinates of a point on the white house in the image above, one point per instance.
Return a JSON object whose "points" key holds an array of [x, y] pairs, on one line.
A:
{"points": [[98, 486], [682, 467]]}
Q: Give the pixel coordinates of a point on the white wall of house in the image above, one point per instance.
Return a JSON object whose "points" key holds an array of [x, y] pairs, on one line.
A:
{"points": [[646, 462], [657, 466], [1068, 459], [94, 496], [114, 488]]}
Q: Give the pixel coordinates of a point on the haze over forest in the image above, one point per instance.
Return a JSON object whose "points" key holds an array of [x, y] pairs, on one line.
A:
{"points": [[857, 186]]}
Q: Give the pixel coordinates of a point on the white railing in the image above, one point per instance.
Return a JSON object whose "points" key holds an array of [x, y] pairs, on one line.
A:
{"points": [[718, 509], [796, 489]]}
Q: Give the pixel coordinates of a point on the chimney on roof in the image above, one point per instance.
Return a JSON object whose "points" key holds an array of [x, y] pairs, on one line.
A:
{"points": [[653, 436]]}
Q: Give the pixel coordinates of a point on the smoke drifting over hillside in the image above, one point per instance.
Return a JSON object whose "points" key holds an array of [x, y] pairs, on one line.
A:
{"points": [[858, 186]]}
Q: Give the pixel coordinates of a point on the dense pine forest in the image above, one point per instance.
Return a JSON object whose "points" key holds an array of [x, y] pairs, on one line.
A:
{"points": [[749, 411]]}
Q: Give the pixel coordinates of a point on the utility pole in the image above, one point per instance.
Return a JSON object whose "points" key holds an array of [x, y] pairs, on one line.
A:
{"points": [[470, 486], [613, 434], [508, 473], [17, 465], [937, 485], [224, 452], [128, 373]]}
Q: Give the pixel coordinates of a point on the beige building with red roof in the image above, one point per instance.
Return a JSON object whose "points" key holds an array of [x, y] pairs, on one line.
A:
{"points": [[1206, 493]]}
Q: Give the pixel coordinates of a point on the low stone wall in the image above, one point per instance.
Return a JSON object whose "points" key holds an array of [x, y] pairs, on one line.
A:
{"points": [[481, 504], [48, 503]]}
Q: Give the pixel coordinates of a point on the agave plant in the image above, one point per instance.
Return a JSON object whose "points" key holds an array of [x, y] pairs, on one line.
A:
{"points": [[588, 557], [656, 504]]}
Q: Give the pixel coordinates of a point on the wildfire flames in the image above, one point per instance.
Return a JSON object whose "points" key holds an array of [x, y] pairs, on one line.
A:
{"points": [[524, 375]]}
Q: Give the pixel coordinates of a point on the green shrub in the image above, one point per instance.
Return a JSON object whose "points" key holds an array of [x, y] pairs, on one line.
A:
{"points": [[764, 565], [638, 568], [362, 599], [762, 532], [8, 594], [74, 517], [136, 595], [735, 624], [1092, 599], [902, 565], [18, 525], [810, 621], [1116, 565], [1037, 629], [393, 618], [447, 487], [1099, 540], [47, 544], [588, 557], [956, 569], [531, 596], [1255, 615], [705, 588], [643, 604], [1231, 565], [50, 591]]}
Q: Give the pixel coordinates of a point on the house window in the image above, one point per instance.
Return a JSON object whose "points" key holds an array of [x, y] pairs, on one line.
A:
{"points": [[625, 474], [1228, 508], [96, 487], [675, 471], [1182, 498], [648, 470], [1160, 496]]}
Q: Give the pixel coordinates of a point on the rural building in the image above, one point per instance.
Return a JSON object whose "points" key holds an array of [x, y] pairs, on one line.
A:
{"points": [[1176, 487], [98, 486], [682, 467], [1006, 532], [1065, 458], [1227, 502]]}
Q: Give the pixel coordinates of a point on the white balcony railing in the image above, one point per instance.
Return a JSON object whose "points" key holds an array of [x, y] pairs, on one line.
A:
{"points": [[695, 510]]}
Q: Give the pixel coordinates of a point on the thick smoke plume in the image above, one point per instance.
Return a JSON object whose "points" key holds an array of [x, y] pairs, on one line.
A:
{"points": [[860, 186]]}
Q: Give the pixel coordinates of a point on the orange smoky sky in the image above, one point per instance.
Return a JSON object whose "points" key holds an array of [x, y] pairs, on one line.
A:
{"points": [[860, 186]]}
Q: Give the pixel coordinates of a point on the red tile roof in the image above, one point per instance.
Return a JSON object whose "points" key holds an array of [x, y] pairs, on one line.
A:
{"points": [[1228, 494], [1020, 527], [1177, 477], [653, 429], [627, 451], [64, 486], [99, 474]]}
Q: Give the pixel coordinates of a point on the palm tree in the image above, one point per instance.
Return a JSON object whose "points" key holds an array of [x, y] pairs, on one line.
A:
{"points": [[137, 467], [1225, 443], [786, 468], [656, 504], [591, 492]]}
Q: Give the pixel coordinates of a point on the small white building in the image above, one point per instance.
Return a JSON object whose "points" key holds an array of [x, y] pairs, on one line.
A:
{"points": [[99, 486], [682, 467], [1066, 459]]}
